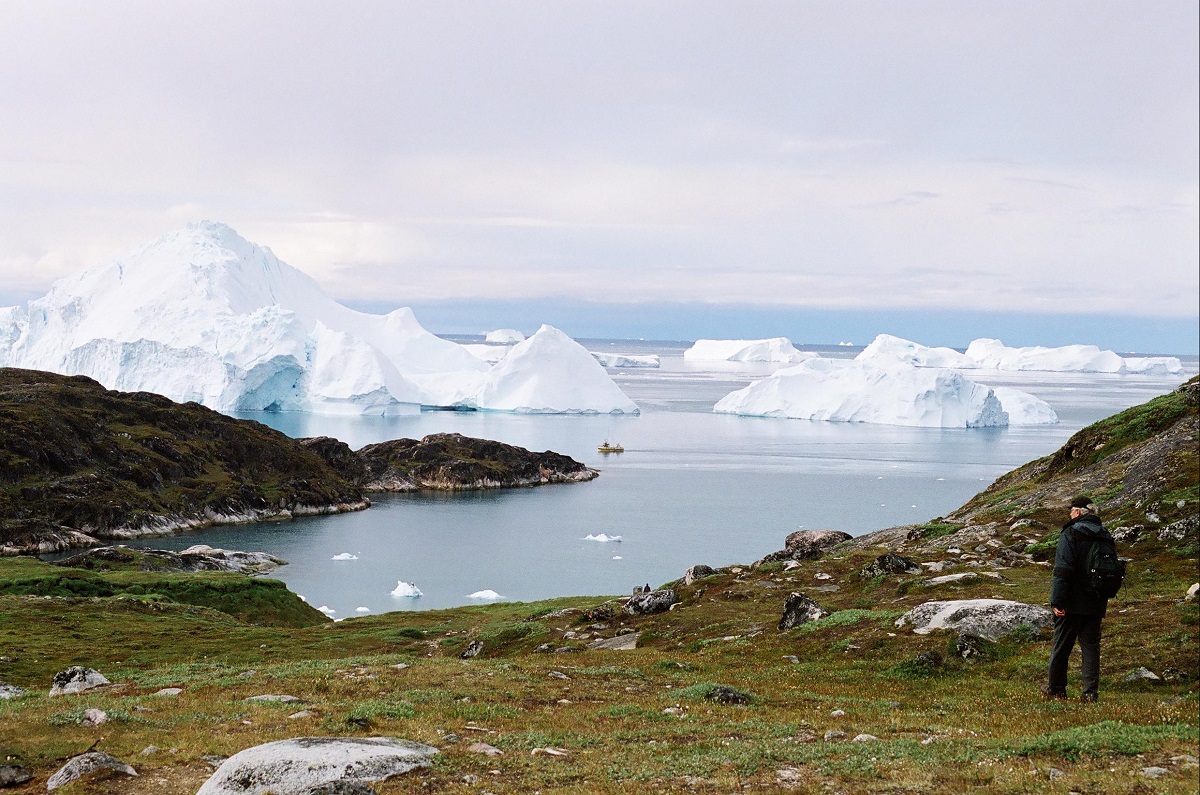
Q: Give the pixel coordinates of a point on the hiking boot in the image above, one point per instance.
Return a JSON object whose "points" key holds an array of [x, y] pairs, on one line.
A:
{"points": [[1050, 694], [1089, 698]]}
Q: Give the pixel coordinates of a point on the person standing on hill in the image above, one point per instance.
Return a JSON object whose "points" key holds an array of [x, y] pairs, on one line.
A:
{"points": [[1078, 605]]}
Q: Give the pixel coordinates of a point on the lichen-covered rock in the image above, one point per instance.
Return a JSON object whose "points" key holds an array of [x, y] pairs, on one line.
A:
{"points": [[199, 557], [890, 563], [1187, 527], [724, 694], [696, 572], [84, 764], [990, 619], [799, 609], [298, 765], [807, 545], [76, 679], [11, 691], [645, 604], [12, 775], [472, 650]]}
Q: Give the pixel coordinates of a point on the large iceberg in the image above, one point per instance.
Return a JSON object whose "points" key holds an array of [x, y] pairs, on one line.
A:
{"points": [[851, 391], [776, 349], [995, 355], [886, 348], [627, 359], [202, 314]]}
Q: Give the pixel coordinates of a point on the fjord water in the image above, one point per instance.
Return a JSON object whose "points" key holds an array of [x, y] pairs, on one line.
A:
{"points": [[692, 487]]}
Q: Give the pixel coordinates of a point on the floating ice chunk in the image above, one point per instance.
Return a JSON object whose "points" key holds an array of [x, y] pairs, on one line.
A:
{"points": [[504, 336], [302, 598], [362, 610], [406, 589], [627, 360], [1023, 408], [344, 556], [1155, 365], [617, 557], [776, 349], [854, 391], [994, 355], [487, 595], [603, 538], [886, 348], [488, 353], [327, 610]]}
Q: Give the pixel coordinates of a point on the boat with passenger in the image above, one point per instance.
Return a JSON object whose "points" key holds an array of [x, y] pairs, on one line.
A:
{"points": [[610, 447]]}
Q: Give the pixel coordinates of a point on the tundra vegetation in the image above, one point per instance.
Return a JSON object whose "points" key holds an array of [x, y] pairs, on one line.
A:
{"points": [[714, 699]]}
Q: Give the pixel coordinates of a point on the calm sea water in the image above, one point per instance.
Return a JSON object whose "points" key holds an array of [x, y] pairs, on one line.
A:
{"points": [[692, 487]]}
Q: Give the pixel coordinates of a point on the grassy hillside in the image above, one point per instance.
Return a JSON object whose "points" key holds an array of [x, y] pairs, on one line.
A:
{"points": [[649, 719]]}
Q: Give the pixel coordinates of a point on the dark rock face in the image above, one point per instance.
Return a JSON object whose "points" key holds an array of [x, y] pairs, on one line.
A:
{"points": [[972, 647], [191, 559], [12, 775], [723, 694], [472, 650], [645, 604], [696, 572], [599, 613], [451, 461], [807, 545], [799, 609], [890, 563], [338, 455]]}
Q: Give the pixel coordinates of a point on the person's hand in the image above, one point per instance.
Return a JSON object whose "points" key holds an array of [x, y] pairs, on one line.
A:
{"points": [[1059, 612]]}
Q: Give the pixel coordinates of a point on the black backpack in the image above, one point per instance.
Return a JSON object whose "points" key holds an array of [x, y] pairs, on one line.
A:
{"points": [[1100, 573]]}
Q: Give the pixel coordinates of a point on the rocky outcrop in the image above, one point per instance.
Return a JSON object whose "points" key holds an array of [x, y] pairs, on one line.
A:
{"points": [[890, 563], [453, 462], [807, 545], [195, 558], [302, 764], [76, 679], [990, 619], [79, 462], [696, 572], [645, 604], [799, 609], [86, 764]]}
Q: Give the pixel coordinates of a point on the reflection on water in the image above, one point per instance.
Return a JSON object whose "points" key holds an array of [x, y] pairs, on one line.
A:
{"points": [[692, 487]]}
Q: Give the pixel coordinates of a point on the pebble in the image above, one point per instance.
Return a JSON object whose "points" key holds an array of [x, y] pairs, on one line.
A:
{"points": [[834, 734], [865, 738], [94, 717], [304, 713], [169, 691], [1153, 772], [484, 748], [837, 713]]}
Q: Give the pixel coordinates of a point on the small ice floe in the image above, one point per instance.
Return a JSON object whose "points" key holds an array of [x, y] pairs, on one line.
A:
{"points": [[485, 595], [302, 597], [327, 610], [344, 556], [603, 538], [406, 589], [941, 478], [617, 557], [362, 610]]}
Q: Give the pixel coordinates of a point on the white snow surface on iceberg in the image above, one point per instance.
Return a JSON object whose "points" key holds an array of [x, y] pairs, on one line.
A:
{"points": [[627, 359], [776, 349], [1023, 408], [504, 336], [486, 595], [851, 391], [885, 349], [603, 538], [995, 355], [406, 589], [488, 353], [202, 314], [344, 556]]}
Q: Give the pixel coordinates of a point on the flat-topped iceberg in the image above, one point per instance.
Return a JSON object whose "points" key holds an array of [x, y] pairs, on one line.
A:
{"points": [[202, 314], [627, 359], [851, 391], [886, 349], [995, 355], [504, 336], [776, 349]]}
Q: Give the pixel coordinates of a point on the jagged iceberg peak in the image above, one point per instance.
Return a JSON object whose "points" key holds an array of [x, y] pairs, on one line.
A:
{"points": [[203, 314], [887, 348]]}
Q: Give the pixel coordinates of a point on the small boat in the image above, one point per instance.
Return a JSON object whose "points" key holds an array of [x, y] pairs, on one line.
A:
{"points": [[610, 447]]}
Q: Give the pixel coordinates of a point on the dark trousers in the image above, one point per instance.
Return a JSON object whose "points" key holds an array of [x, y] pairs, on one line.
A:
{"points": [[1067, 630]]}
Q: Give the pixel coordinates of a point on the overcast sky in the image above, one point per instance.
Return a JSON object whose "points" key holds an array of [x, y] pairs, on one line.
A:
{"points": [[1002, 156]]}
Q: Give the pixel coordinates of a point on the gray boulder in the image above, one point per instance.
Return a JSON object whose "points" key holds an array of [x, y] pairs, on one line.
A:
{"points": [[300, 765], [8, 691], [624, 642], [1143, 674], [799, 609], [1177, 531], [645, 604], [696, 572], [472, 650], [807, 545], [341, 788], [890, 563], [76, 679], [12, 775], [82, 765], [990, 619]]}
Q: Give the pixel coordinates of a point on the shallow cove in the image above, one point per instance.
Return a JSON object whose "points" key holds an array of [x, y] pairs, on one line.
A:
{"points": [[692, 487]]}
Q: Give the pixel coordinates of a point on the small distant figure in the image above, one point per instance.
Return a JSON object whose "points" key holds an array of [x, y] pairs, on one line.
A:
{"points": [[646, 589]]}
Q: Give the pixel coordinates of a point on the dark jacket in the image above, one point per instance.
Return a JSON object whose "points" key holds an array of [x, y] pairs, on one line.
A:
{"points": [[1067, 591]]}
